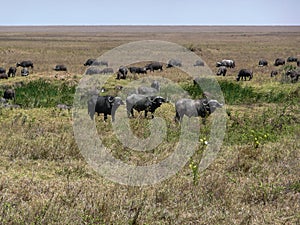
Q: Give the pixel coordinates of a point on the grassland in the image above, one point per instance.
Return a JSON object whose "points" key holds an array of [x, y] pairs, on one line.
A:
{"points": [[254, 179]]}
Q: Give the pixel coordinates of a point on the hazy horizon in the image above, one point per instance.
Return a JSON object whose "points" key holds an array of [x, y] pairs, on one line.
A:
{"points": [[154, 13]]}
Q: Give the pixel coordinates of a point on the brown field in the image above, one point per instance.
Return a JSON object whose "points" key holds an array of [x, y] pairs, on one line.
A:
{"points": [[45, 180]]}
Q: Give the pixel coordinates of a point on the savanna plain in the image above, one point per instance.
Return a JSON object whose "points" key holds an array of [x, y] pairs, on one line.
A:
{"points": [[255, 178]]}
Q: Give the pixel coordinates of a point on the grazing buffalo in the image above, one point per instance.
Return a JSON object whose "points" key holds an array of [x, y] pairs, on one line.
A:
{"points": [[279, 61], [107, 105], [122, 73], [3, 76], [93, 70], [107, 71], [194, 108], [2, 70], [294, 75], [155, 87], [274, 73], [89, 62], [222, 71], [9, 94], [12, 71], [174, 62], [244, 73], [138, 70], [24, 71], [226, 62], [60, 67], [154, 66], [24, 64], [262, 62], [292, 59], [155, 84], [143, 103], [199, 63], [95, 62]]}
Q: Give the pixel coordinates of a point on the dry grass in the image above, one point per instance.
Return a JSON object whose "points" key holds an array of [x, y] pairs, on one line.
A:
{"points": [[45, 180]]}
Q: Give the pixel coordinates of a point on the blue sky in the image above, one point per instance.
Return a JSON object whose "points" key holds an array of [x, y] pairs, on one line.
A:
{"points": [[155, 12]]}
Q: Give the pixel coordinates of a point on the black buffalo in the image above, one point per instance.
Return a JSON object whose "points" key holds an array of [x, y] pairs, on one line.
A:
{"points": [[2, 70], [274, 73], [89, 62], [174, 62], [122, 73], [138, 70], [244, 73], [3, 76], [27, 64], [60, 67], [143, 103], [194, 108], [294, 75], [93, 70], [12, 71], [298, 63], [9, 94], [199, 63], [222, 71], [154, 66], [107, 105], [262, 62], [292, 59], [24, 71], [279, 61], [107, 70], [95, 62]]}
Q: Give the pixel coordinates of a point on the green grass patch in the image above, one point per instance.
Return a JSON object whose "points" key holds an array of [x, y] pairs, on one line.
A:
{"points": [[43, 93]]}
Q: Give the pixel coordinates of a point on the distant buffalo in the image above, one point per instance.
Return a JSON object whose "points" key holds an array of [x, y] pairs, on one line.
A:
{"points": [[279, 61], [294, 75], [226, 62], [27, 64], [292, 59], [222, 71], [194, 108], [12, 71], [95, 62], [24, 71], [174, 62], [93, 70], [122, 73], [60, 67], [9, 94], [107, 105], [2, 70], [199, 63], [138, 70], [107, 70], [243, 73], [154, 89], [3, 76], [262, 62], [274, 73], [154, 66]]}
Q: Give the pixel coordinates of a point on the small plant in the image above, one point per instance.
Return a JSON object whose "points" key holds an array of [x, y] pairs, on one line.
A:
{"points": [[194, 164], [258, 138]]}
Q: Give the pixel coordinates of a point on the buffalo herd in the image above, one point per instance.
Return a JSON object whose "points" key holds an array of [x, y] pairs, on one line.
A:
{"points": [[147, 99]]}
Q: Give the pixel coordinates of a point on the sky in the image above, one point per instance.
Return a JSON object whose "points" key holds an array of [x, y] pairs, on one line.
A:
{"points": [[155, 12]]}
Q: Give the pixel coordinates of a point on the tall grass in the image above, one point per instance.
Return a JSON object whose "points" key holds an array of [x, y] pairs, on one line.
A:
{"points": [[43, 93], [235, 93]]}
